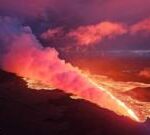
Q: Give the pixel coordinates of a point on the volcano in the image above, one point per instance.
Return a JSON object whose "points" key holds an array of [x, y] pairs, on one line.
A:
{"points": [[27, 111], [74, 67]]}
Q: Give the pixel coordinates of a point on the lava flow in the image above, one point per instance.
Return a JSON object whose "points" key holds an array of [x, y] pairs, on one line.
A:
{"points": [[136, 110], [126, 110]]}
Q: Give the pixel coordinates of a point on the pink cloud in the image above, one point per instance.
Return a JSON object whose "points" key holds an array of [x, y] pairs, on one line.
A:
{"points": [[52, 33], [92, 34], [143, 25]]}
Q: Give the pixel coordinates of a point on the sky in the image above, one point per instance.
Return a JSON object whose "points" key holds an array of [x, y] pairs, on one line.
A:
{"points": [[75, 26]]}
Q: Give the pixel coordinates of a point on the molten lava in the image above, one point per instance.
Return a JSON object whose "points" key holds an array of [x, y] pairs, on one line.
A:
{"points": [[129, 111], [114, 90]]}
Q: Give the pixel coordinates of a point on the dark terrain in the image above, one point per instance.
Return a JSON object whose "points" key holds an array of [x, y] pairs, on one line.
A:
{"points": [[30, 112]]}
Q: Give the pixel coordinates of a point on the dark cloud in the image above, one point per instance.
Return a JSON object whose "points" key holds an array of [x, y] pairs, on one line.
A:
{"points": [[42, 15], [87, 11]]}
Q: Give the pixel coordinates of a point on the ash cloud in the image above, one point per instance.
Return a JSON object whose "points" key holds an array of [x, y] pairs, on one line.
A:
{"points": [[25, 56]]}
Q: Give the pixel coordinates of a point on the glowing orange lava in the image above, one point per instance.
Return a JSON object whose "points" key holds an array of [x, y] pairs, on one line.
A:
{"points": [[120, 105], [129, 111]]}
